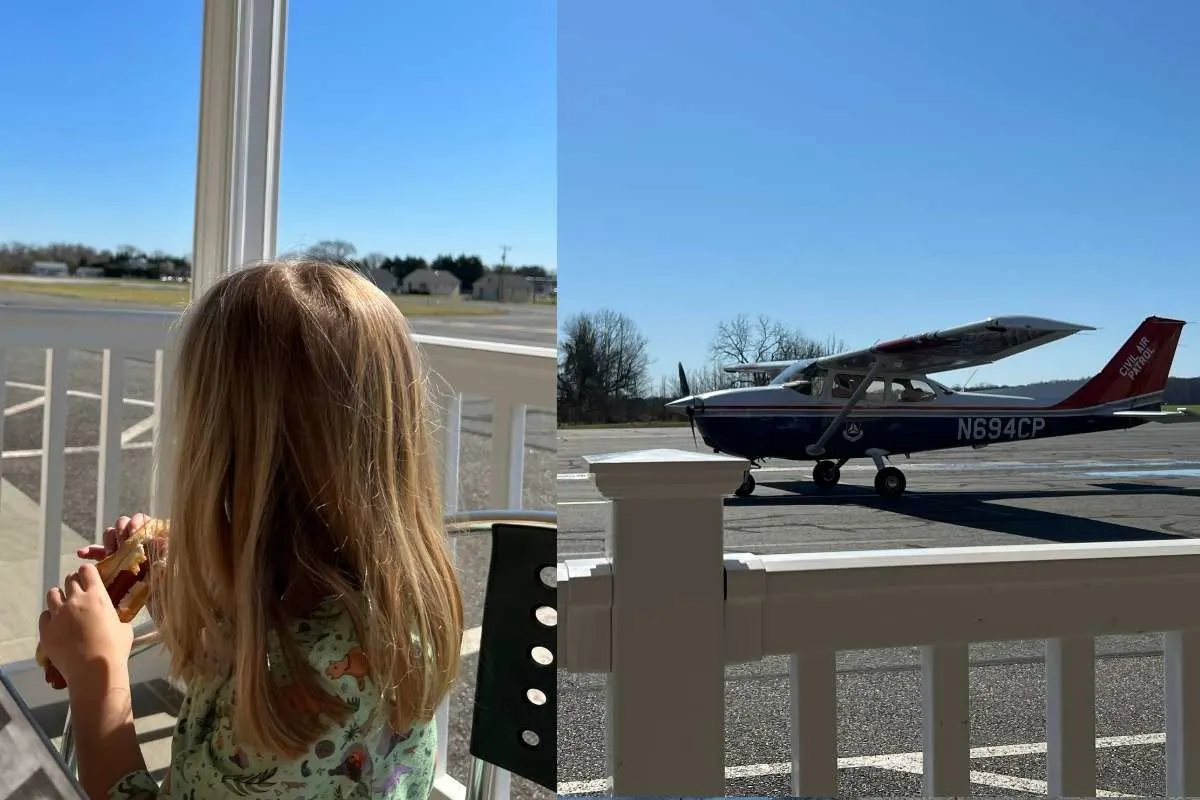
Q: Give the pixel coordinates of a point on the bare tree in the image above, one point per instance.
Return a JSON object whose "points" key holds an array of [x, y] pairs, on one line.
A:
{"points": [[603, 362], [745, 341], [332, 250]]}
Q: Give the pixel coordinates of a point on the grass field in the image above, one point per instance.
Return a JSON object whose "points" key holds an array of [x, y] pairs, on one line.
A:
{"points": [[175, 295], [1173, 406]]}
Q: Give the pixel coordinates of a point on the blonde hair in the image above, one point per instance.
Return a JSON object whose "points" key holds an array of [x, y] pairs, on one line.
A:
{"points": [[303, 448]]}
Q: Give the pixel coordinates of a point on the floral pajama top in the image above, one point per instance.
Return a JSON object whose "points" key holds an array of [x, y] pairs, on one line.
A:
{"points": [[358, 760]]}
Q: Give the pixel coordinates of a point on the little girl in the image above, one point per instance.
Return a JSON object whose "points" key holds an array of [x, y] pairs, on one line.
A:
{"points": [[306, 598]]}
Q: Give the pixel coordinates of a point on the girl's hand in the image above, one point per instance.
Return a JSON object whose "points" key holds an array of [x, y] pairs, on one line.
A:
{"points": [[114, 537], [80, 631]]}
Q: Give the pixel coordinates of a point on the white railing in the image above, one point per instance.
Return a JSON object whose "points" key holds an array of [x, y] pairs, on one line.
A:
{"points": [[669, 595], [514, 378]]}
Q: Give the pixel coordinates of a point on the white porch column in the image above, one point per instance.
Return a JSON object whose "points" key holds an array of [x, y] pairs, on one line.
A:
{"points": [[666, 689], [241, 106]]}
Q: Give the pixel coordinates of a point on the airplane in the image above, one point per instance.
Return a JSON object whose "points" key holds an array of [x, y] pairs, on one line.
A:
{"points": [[880, 401]]}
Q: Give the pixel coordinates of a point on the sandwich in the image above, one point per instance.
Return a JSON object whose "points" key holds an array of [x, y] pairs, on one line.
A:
{"points": [[125, 573]]}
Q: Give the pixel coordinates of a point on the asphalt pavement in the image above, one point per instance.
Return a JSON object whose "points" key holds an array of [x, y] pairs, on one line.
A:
{"points": [[1121, 486], [21, 463]]}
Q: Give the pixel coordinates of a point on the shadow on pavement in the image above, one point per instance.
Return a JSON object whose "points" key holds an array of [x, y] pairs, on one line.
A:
{"points": [[977, 509]]}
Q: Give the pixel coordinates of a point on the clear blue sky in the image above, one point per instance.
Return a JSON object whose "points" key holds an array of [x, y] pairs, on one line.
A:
{"points": [[871, 169], [408, 127]]}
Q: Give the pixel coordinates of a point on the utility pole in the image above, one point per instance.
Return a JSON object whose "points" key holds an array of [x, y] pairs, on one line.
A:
{"points": [[504, 255]]}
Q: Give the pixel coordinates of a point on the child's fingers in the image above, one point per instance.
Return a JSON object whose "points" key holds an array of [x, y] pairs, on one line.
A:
{"points": [[93, 552]]}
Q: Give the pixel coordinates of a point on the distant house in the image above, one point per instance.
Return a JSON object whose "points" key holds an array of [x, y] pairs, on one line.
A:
{"points": [[50, 269], [545, 286], [431, 281], [507, 287], [89, 272], [384, 279]]}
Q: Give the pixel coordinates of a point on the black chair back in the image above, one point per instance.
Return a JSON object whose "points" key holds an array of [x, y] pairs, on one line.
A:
{"points": [[516, 692]]}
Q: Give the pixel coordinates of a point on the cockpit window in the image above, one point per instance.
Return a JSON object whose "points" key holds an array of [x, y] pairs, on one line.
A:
{"points": [[912, 390]]}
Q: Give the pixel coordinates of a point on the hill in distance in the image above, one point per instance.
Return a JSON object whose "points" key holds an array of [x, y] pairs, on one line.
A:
{"points": [[1180, 391]]}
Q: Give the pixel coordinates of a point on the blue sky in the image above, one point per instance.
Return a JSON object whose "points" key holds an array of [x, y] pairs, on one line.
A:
{"points": [[408, 127], [871, 169]]}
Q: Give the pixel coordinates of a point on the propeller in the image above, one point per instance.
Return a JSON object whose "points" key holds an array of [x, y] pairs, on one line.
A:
{"points": [[686, 391]]}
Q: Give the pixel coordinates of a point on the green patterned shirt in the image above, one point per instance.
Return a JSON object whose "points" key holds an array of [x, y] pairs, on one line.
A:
{"points": [[364, 758]]}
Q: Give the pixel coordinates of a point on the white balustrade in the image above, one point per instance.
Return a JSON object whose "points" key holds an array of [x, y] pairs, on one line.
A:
{"points": [[514, 377], [653, 601]]}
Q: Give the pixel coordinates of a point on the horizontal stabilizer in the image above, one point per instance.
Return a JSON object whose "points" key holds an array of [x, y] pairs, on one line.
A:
{"points": [[1181, 415]]}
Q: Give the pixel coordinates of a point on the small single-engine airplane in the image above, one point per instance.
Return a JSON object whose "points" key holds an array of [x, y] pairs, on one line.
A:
{"points": [[879, 402]]}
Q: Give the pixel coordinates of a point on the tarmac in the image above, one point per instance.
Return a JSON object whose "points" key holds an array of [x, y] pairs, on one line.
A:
{"points": [[1122, 486], [20, 598]]}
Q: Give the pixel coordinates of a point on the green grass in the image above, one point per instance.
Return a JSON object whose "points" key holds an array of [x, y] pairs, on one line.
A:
{"points": [[176, 295], [1173, 406]]}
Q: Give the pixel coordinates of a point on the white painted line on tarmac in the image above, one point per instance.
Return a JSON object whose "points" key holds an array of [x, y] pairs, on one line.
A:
{"points": [[74, 451], [947, 466], [583, 502], [137, 429], [35, 387], [912, 763], [28, 404]]}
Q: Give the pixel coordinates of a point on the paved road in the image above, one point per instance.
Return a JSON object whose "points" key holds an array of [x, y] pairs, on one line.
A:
{"points": [[533, 325], [1121, 486], [21, 464]]}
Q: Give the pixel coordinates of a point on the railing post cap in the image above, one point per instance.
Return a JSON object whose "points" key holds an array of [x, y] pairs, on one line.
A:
{"points": [[662, 473]]}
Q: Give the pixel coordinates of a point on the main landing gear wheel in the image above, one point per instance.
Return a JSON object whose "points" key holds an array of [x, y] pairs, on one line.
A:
{"points": [[747, 486], [890, 482], [826, 474]]}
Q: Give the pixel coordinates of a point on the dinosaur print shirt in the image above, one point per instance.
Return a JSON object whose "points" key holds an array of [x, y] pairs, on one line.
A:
{"points": [[364, 758]]}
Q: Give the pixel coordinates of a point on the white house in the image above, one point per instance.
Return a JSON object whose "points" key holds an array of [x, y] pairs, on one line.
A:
{"points": [[507, 287], [431, 281], [50, 269], [384, 279]]}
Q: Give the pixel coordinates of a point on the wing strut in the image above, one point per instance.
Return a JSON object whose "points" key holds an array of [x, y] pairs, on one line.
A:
{"points": [[818, 448]]}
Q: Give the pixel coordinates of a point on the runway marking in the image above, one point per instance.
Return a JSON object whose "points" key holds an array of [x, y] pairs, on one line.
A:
{"points": [[74, 451], [34, 387], [583, 502], [137, 429], [912, 763], [28, 404], [960, 466]]}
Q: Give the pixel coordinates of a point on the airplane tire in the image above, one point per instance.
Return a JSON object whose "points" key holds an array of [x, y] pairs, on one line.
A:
{"points": [[826, 473], [747, 486], [890, 482]]}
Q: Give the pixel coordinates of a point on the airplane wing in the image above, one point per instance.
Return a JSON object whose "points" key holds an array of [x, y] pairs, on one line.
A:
{"points": [[970, 345], [1167, 417], [771, 368]]}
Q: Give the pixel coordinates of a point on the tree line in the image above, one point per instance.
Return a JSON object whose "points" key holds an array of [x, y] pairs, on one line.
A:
{"points": [[129, 261], [604, 374]]}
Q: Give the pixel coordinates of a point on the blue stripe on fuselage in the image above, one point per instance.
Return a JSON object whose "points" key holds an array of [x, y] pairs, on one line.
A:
{"points": [[785, 437]]}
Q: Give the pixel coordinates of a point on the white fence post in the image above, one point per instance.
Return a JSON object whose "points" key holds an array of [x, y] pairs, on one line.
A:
{"points": [[666, 690]]}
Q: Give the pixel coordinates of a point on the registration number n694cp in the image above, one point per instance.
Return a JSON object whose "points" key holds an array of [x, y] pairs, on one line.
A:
{"points": [[999, 428]]}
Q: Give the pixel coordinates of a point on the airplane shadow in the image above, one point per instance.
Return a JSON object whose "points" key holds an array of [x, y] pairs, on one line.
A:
{"points": [[973, 509]]}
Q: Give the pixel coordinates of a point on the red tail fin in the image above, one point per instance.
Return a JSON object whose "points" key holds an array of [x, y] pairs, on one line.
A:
{"points": [[1139, 368]]}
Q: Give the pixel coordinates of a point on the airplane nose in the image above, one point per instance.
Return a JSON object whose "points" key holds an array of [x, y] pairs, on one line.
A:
{"points": [[686, 405], [680, 406]]}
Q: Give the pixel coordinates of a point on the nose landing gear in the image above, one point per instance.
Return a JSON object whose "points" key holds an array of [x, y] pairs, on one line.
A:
{"points": [[826, 473]]}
